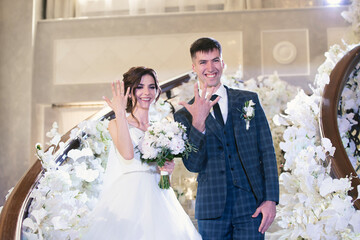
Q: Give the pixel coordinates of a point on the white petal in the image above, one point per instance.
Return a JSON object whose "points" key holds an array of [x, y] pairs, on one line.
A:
{"points": [[29, 223], [59, 223], [355, 221], [326, 187]]}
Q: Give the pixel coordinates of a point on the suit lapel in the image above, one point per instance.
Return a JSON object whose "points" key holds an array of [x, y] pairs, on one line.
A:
{"points": [[211, 124], [234, 108], [236, 102], [215, 127]]}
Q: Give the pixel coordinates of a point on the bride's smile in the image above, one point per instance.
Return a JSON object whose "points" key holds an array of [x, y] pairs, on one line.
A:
{"points": [[145, 92]]}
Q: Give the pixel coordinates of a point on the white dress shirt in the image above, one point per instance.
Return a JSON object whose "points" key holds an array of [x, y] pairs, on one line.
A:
{"points": [[223, 102]]}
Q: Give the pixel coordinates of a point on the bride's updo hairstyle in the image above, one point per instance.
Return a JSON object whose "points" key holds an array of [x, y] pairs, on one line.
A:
{"points": [[132, 79]]}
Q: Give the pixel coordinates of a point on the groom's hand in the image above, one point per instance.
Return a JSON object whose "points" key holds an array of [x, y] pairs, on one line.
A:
{"points": [[200, 109], [268, 210]]}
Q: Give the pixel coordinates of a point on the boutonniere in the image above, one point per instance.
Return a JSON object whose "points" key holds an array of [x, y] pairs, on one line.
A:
{"points": [[248, 112]]}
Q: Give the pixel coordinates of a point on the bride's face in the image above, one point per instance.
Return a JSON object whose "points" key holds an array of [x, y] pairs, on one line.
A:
{"points": [[145, 92]]}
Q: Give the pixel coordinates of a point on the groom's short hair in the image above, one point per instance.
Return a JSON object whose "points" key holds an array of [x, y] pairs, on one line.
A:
{"points": [[205, 44]]}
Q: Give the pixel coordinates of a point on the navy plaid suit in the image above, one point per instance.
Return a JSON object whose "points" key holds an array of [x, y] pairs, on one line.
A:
{"points": [[254, 147]]}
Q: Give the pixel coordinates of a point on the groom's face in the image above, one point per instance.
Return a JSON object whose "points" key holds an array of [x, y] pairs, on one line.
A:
{"points": [[208, 67]]}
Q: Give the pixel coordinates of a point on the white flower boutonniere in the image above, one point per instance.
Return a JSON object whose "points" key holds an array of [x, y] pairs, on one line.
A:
{"points": [[248, 112]]}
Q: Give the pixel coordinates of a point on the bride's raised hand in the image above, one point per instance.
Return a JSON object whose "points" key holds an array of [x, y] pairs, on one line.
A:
{"points": [[120, 97]]}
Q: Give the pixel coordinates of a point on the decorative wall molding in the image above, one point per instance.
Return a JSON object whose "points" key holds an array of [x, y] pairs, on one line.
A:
{"points": [[102, 60], [286, 51]]}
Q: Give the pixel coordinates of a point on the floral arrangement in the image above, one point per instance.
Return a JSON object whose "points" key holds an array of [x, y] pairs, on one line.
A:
{"points": [[163, 141], [349, 118], [160, 110], [66, 193], [352, 16], [248, 112], [312, 204]]}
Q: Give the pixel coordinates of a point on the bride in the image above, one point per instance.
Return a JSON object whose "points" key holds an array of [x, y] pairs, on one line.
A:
{"points": [[131, 205]]}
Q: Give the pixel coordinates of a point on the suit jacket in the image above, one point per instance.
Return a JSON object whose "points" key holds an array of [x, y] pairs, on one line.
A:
{"points": [[255, 148]]}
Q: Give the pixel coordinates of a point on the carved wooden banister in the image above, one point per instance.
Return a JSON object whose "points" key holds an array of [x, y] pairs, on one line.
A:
{"points": [[14, 210], [340, 163]]}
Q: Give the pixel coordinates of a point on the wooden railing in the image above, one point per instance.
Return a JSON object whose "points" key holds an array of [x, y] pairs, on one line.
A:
{"points": [[340, 163], [16, 206]]}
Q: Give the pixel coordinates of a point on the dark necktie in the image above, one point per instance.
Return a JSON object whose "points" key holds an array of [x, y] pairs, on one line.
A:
{"points": [[217, 111]]}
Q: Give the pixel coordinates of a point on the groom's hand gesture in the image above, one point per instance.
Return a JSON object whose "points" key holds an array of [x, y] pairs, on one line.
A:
{"points": [[200, 109]]}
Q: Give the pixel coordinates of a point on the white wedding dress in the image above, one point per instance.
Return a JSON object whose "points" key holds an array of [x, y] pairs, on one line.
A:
{"points": [[132, 206]]}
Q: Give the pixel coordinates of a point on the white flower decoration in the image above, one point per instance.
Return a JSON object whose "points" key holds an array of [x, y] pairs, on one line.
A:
{"points": [[248, 112]]}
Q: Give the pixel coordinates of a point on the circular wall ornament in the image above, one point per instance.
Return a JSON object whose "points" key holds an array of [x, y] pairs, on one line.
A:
{"points": [[284, 52]]}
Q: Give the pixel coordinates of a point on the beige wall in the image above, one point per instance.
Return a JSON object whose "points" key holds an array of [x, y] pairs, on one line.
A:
{"points": [[76, 59], [248, 37], [15, 91]]}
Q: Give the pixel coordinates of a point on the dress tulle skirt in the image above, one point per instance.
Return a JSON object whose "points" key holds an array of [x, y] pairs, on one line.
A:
{"points": [[136, 208]]}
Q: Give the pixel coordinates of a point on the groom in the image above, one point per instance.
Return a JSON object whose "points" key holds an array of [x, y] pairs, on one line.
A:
{"points": [[238, 185]]}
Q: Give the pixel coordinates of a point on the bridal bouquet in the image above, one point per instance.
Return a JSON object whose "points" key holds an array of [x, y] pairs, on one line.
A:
{"points": [[163, 141]]}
